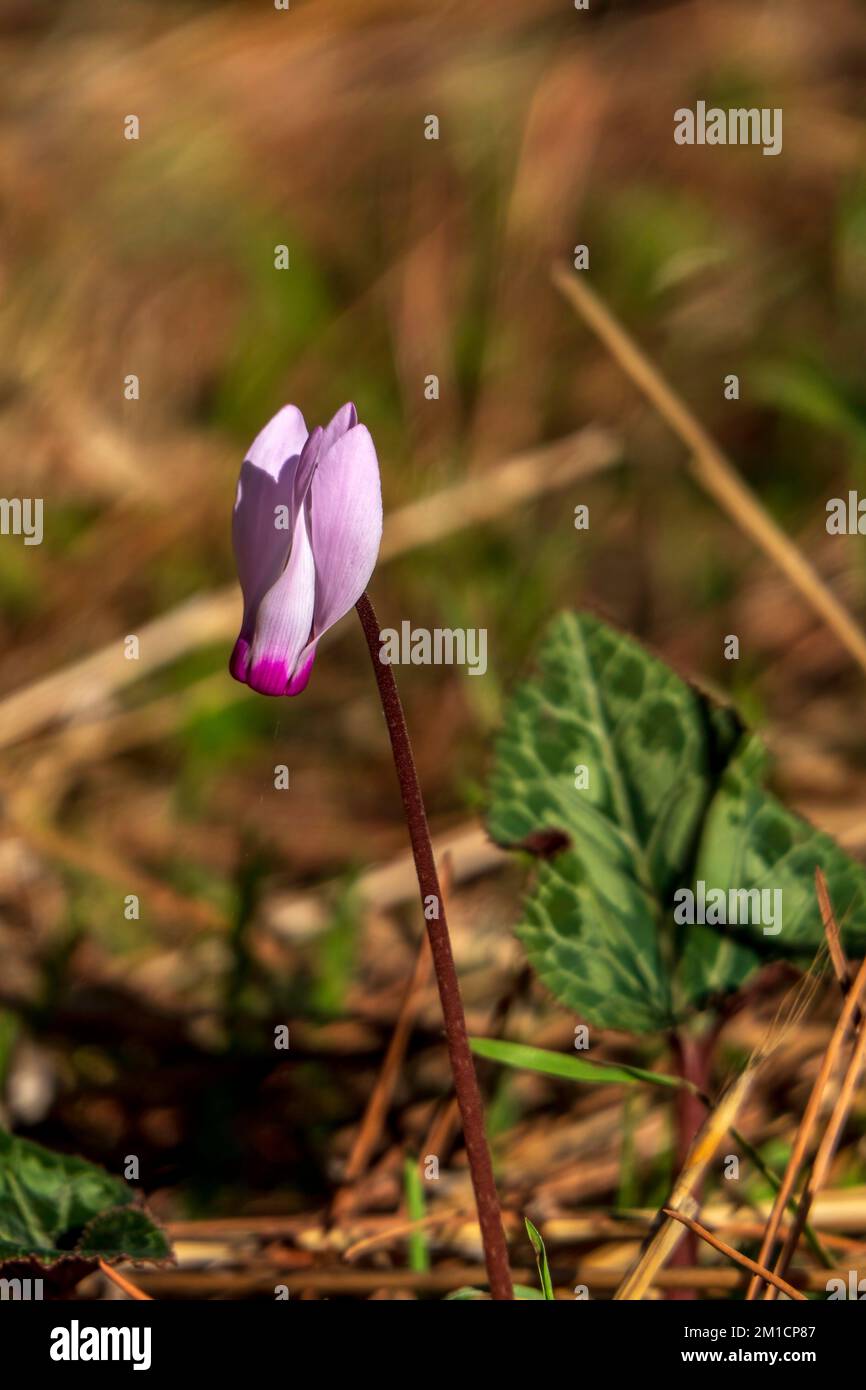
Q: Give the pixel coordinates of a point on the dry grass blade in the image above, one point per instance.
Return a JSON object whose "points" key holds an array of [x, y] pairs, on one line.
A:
{"points": [[400, 1228], [712, 469], [827, 1147], [810, 1119], [444, 1128], [121, 1282], [833, 935], [732, 1254], [719, 1122], [668, 1235]]}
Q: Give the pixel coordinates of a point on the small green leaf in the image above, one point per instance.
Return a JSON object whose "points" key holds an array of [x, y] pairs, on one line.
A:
{"points": [[54, 1207], [540, 1259]]}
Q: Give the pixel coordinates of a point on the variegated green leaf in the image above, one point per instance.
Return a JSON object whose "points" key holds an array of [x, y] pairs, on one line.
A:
{"points": [[55, 1207], [672, 792]]}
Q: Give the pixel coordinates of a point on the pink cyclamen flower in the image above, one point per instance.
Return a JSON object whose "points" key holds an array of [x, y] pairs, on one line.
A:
{"points": [[306, 529]]}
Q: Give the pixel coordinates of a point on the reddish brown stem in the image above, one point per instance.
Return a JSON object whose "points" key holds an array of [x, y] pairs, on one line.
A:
{"points": [[462, 1068]]}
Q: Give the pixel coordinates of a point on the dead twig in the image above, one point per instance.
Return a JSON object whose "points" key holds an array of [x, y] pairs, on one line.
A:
{"points": [[666, 1238], [732, 1254], [834, 938], [808, 1123], [121, 1281], [826, 1149], [400, 1228]]}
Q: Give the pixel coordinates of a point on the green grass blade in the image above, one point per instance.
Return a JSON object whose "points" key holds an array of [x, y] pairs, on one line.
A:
{"points": [[541, 1059], [540, 1259], [413, 1186]]}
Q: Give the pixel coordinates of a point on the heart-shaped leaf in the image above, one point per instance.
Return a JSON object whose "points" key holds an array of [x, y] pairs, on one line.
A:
{"points": [[630, 785], [54, 1207]]}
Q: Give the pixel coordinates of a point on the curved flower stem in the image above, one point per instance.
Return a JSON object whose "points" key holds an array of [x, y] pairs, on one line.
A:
{"points": [[462, 1067]]}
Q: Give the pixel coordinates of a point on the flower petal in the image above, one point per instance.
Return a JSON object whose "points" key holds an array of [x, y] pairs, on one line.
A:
{"points": [[345, 503], [301, 679], [239, 659], [344, 420], [271, 477], [305, 472], [283, 437], [284, 620]]}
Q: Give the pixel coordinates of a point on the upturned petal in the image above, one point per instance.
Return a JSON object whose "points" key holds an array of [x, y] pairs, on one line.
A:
{"points": [[275, 474], [344, 420], [283, 437], [283, 621], [345, 506]]}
